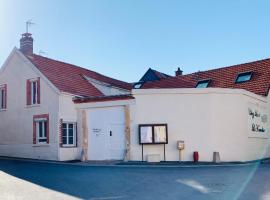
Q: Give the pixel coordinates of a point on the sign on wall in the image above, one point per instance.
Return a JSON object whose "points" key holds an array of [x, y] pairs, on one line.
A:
{"points": [[153, 134], [257, 121]]}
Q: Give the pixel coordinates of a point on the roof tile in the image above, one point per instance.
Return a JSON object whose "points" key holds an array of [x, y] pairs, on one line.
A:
{"points": [[69, 78], [223, 78]]}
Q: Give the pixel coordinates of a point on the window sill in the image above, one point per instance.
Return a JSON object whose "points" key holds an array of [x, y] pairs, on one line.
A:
{"points": [[41, 145], [63, 146], [34, 105], [2, 110]]}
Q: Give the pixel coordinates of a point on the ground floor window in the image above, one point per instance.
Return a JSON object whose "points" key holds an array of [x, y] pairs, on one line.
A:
{"points": [[41, 129], [69, 134]]}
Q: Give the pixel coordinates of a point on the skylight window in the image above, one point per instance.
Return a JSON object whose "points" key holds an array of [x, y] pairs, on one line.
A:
{"points": [[243, 77], [203, 83]]}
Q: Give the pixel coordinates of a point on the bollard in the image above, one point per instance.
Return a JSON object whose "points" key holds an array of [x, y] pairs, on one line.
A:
{"points": [[216, 157], [195, 156]]}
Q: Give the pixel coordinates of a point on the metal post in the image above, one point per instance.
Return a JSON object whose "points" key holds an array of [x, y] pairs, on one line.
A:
{"points": [[142, 152], [164, 153]]}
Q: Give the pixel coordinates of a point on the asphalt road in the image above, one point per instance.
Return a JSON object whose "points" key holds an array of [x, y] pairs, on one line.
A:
{"points": [[32, 180]]}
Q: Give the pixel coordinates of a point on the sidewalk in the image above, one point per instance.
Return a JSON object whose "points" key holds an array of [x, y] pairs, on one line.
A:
{"points": [[140, 163]]}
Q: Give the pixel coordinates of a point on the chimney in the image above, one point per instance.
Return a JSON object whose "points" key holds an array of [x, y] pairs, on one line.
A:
{"points": [[178, 72], [26, 44]]}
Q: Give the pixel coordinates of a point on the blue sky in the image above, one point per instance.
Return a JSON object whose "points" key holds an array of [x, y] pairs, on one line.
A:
{"points": [[123, 38]]}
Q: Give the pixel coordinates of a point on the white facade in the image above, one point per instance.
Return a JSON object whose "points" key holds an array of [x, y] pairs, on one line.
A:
{"points": [[16, 122], [207, 120]]}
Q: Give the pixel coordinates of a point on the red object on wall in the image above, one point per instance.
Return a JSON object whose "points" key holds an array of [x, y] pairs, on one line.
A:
{"points": [[38, 90], [195, 156], [28, 92], [48, 128], [5, 96], [61, 132], [34, 132]]}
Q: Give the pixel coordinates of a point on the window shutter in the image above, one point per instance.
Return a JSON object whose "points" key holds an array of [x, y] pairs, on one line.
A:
{"points": [[38, 90], [34, 132], [61, 133], [48, 130], [28, 92], [5, 97], [76, 136]]}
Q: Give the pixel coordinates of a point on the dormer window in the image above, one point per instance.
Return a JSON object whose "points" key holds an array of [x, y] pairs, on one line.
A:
{"points": [[203, 83], [137, 85], [243, 77]]}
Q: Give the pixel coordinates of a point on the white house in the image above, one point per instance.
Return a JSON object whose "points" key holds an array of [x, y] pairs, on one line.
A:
{"points": [[38, 118], [57, 111]]}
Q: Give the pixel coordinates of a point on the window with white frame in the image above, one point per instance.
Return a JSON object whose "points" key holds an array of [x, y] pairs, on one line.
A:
{"points": [[2, 97], [34, 92], [69, 134], [41, 130]]}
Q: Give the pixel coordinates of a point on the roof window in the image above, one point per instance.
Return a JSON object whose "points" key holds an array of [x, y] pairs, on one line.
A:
{"points": [[203, 83], [137, 85], [243, 77]]}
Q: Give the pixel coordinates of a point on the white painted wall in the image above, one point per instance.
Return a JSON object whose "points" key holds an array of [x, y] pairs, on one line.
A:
{"points": [[207, 120], [16, 123], [68, 113]]}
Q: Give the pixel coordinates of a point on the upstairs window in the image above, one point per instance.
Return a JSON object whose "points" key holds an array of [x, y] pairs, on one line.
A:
{"points": [[3, 97], [203, 83], [243, 77], [33, 91]]}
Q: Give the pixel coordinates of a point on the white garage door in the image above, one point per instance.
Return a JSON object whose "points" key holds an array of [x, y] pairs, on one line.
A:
{"points": [[106, 133]]}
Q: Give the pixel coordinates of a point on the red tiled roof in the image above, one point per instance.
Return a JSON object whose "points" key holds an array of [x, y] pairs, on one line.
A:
{"points": [[172, 82], [223, 78], [70, 78]]}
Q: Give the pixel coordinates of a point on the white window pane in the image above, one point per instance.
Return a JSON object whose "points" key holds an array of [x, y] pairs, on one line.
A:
{"points": [[40, 129], [160, 134], [45, 129], [146, 134]]}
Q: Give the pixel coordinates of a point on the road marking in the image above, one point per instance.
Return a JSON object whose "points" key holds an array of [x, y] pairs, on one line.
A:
{"points": [[195, 185]]}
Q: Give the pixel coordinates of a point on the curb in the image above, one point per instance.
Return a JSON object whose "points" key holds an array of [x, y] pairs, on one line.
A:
{"points": [[130, 165]]}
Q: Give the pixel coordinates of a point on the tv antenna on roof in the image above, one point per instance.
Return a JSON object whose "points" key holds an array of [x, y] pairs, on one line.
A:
{"points": [[28, 23], [41, 53]]}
